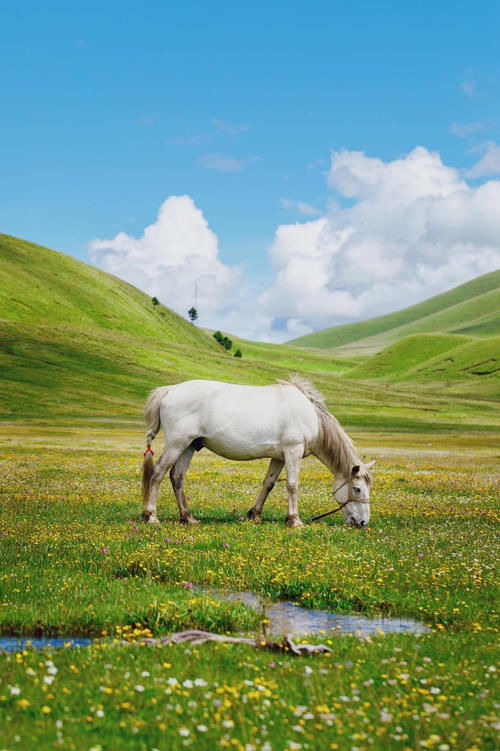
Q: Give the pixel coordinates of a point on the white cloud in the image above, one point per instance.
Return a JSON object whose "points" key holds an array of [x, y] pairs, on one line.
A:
{"points": [[414, 228], [489, 164], [468, 85], [189, 140], [465, 130], [227, 129], [225, 162], [395, 233], [301, 207], [175, 253]]}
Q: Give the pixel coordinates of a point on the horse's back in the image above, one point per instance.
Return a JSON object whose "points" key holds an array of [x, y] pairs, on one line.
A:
{"points": [[240, 421]]}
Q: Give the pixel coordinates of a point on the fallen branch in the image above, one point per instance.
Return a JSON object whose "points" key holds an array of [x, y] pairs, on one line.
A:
{"points": [[200, 637]]}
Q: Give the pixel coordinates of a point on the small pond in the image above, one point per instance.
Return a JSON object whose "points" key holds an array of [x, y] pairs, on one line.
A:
{"points": [[283, 617], [289, 618], [18, 643]]}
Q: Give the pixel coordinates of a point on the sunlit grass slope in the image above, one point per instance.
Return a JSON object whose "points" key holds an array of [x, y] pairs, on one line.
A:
{"points": [[76, 342], [472, 308], [449, 364], [394, 362], [78, 346]]}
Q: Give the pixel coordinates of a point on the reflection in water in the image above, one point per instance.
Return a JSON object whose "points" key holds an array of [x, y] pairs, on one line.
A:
{"points": [[283, 617], [288, 618], [17, 644]]}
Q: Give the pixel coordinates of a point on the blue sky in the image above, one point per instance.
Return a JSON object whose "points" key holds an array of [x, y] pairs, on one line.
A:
{"points": [[110, 108]]}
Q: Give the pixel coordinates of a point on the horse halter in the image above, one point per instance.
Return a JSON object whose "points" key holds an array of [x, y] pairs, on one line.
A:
{"points": [[350, 499]]}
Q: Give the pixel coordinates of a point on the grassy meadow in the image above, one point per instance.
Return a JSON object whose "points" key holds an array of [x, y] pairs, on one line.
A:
{"points": [[79, 351], [76, 561]]}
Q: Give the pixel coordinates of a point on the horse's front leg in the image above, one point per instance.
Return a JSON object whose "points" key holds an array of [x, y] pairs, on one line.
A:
{"points": [[275, 468], [293, 457], [177, 474]]}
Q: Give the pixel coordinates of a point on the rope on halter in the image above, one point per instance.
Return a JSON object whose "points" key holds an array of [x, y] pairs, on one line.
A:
{"points": [[149, 450], [341, 505]]}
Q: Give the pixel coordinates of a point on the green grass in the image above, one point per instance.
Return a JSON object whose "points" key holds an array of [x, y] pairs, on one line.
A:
{"points": [[481, 313], [476, 302], [75, 560], [79, 350], [101, 346], [405, 355]]}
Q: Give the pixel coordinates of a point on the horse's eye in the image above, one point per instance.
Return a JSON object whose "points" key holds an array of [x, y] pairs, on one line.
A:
{"points": [[357, 490]]}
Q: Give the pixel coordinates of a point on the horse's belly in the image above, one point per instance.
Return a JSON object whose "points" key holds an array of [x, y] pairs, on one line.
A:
{"points": [[243, 450]]}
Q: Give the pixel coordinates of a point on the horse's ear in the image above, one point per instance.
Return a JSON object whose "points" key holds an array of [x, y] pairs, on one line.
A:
{"points": [[355, 470], [370, 464]]}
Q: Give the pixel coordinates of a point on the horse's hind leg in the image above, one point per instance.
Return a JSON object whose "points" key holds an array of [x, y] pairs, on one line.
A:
{"points": [[177, 474], [275, 468], [170, 455]]}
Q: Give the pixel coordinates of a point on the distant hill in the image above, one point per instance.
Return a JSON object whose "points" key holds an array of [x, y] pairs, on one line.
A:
{"points": [[472, 308], [445, 362], [78, 344], [404, 356], [74, 339], [81, 348]]}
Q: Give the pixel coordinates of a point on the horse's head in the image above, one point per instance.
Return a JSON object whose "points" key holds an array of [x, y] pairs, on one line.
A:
{"points": [[353, 495]]}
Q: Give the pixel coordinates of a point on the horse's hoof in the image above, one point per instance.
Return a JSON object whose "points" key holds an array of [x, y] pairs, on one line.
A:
{"points": [[294, 521], [189, 520], [154, 520], [254, 516]]}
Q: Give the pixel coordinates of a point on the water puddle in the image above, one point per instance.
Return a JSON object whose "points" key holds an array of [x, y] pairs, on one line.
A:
{"points": [[17, 644], [283, 617], [289, 618]]}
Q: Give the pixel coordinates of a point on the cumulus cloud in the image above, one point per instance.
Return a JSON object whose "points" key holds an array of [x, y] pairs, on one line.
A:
{"points": [[488, 164], [395, 233], [411, 228], [175, 253]]}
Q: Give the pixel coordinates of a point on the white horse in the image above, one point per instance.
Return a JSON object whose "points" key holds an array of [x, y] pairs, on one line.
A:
{"points": [[284, 422]]}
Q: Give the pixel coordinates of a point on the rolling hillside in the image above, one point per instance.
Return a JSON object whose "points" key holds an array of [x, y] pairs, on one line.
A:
{"points": [[399, 359], [79, 347], [472, 308], [455, 363]]}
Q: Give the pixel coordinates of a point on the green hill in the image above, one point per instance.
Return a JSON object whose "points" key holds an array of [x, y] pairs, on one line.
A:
{"points": [[472, 309], [394, 362], [79, 344], [80, 348]]}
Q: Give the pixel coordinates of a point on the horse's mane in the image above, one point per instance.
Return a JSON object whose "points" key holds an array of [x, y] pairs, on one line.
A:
{"points": [[333, 441]]}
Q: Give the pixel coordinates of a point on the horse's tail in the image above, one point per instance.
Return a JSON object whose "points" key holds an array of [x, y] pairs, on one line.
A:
{"points": [[152, 418]]}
